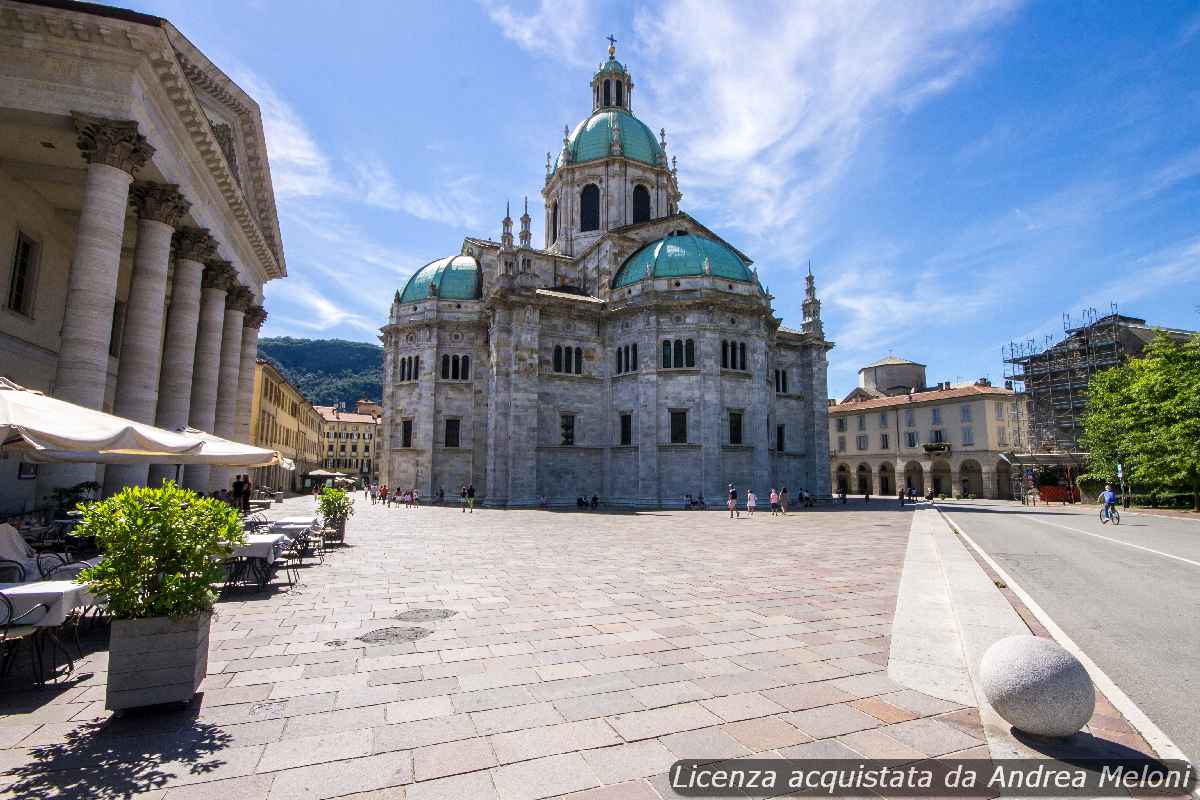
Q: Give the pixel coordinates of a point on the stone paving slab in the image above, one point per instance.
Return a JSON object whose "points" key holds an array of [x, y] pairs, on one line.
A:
{"points": [[584, 654]]}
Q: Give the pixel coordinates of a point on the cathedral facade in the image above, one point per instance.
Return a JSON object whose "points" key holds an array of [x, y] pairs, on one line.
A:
{"points": [[635, 355]]}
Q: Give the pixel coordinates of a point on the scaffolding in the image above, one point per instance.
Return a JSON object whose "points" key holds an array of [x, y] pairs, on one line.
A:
{"points": [[1051, 377]]}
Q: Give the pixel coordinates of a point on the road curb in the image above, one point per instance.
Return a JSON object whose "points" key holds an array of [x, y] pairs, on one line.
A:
{"points": [[1153, 735]]}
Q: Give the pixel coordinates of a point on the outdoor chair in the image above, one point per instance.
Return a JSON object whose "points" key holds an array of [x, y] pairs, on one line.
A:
{"points": [[289, 560], [13, 631], [255, 523], [11, 571]]}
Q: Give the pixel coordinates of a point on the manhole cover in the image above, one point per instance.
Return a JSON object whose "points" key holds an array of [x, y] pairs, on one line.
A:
{"points": [[392, 635], [425, 614]]}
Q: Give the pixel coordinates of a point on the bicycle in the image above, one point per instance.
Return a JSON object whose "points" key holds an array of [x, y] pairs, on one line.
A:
{"points": [[1110, 515]]}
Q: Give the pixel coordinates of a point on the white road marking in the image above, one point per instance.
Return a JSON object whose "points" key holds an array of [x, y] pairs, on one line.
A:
{"points": [[1118, 541], [1153, 734]]}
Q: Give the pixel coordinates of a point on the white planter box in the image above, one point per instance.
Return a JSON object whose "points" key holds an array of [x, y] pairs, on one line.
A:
{"points": [[157, 660]]}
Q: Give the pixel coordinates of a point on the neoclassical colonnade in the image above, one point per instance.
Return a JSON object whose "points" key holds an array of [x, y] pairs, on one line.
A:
{"points": [[985, 475], [201, 372]]}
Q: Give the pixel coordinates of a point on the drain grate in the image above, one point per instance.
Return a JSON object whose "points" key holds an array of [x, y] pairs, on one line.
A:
{"points": [[425, 614], [394, 635]]}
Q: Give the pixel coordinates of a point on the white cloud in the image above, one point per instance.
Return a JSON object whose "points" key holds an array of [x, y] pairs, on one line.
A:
{"points": [[556, 28], [455, 201], [322, 314], [769, 104]]}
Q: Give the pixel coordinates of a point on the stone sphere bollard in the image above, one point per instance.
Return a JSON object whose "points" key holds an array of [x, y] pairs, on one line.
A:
{"points": [[1037, 686]]}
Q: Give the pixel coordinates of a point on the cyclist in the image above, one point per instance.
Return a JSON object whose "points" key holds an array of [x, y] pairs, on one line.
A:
{"points": [[1109, 498]]}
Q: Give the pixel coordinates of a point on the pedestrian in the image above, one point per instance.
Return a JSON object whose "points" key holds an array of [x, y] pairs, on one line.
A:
{"points": [[783, 498], [238, 487], [462, 496], [595, 501], [471, 497], [732, 503], [247, 488], [843, 496], [774, 497], [867, 496], [751, 502], [900, 497]]}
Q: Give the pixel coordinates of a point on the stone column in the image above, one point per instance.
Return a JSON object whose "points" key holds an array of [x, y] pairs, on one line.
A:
{"points": [[159, 208], [193, 246], [237, 300], [255, 317], [207, 367], [114, 150]]}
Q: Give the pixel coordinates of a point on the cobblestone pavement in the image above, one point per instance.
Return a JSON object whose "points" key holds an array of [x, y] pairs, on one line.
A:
{"points": [[586, 653]]}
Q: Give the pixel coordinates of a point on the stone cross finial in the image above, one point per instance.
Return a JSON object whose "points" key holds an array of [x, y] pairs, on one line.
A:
{"points": [[115, 142], [255, 317], [161, 202], [194, 244], [217, 275], [239, 298]]}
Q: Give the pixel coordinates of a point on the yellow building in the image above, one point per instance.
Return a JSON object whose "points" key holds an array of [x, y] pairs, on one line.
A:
{"points": [[282, 419], [350, 441]]}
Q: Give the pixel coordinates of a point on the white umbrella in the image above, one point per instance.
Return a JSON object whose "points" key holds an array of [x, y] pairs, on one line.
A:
{"points": [[212, 450], [324, 473], [33, 423]]}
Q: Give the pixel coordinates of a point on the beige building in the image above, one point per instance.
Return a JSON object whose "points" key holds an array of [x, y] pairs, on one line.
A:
{"points": [[137, 228], [282, 419], [892, 432], [350, 442]]}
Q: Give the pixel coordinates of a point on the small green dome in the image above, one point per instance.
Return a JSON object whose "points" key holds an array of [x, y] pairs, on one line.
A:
{"points": [[612, 66], [592, 138], [455, 278], [683, 255]]}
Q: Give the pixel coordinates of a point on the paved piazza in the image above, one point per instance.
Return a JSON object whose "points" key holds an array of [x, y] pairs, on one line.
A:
{"points": [[587, 652]]}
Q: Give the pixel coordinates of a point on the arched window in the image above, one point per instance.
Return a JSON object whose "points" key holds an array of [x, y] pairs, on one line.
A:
{"points": [[633, 356], [641, 204], [689, 353], [742, 356], [620, 362], [403, 369], [578, 360], [620, 96], [454, 367], [466, 368], [445, 367], [608, 93], [416, 370], [724, 354], [678, 359], [589, 208], [558, 365], [553, 223], [666, 354]]}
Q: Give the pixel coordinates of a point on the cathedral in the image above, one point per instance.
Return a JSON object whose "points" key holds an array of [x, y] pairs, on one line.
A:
{"points": [[635, 356]]}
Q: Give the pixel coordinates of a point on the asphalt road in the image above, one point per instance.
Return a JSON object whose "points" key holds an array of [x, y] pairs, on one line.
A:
{"points": [[1131, 600]]}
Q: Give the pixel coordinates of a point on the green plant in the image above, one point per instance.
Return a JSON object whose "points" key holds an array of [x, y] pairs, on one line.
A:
{"points": [[67, 498], [335, 505], [163, 550]]}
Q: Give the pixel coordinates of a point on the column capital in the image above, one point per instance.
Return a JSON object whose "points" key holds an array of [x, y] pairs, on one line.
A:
{"points": [[218, 274], [195, 244], [115, 142], [161, 202], [239, 298], [255, 317]]}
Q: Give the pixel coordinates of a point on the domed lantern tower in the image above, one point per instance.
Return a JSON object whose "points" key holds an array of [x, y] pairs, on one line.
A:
{"points": [[610, 171]]}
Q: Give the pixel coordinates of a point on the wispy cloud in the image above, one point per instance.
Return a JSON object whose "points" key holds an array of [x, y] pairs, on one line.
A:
{"points": [[319, 312], [556, 28], [776, 138], [453, 202]]}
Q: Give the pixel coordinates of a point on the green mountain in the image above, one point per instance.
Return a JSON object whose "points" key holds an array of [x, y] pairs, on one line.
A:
{"points": [[328, 371]]}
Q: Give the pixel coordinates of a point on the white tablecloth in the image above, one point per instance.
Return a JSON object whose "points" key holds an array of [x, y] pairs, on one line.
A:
{"points": [[260, 545], [61, 596], [293, 526]]}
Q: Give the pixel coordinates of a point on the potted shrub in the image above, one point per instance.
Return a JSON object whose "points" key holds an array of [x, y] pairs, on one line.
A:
{"points": [[336, 506], [163, 551]]}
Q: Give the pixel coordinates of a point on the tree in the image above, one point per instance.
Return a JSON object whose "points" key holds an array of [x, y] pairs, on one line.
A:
{"points": [[1145, 414]]}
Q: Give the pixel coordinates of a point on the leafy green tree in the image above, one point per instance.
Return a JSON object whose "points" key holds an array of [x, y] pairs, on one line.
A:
{"points": [[1145, 414]]}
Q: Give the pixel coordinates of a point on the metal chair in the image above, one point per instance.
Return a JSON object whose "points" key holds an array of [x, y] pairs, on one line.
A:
{"points": [[13, 631], [11, 571]]}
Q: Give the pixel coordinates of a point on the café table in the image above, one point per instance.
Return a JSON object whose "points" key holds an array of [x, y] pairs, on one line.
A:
{"points": [[60, 598], [294, 526], [257, 556]]}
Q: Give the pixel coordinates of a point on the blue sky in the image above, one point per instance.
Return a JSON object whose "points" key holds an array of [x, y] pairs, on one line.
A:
{"points": [[960, 174]]}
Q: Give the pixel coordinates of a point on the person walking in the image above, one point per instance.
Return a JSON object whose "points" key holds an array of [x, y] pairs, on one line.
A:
{"points": [[462, 496], [236, 495], [867, 496], [900, 497], [247, 488], [783, 500], [774, 498], [732, 503], [471, 497], [751, 502]]}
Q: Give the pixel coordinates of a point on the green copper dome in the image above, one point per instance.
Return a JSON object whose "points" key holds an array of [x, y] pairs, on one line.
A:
{"points": [[683, 254], [592, 138], [454, 278], [612, 66]]}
